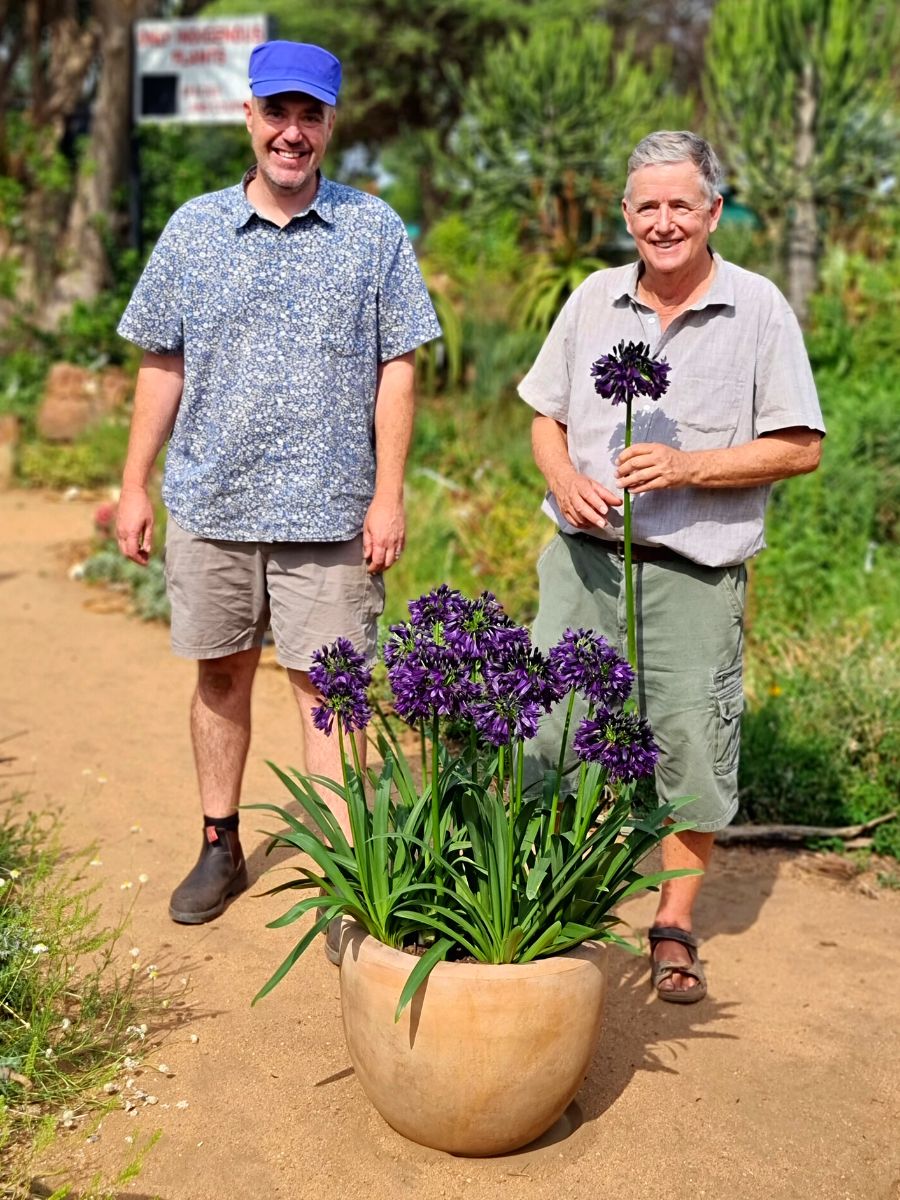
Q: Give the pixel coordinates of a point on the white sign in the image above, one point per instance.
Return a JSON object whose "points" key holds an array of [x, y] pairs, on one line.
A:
{"points": [[194, 72]]}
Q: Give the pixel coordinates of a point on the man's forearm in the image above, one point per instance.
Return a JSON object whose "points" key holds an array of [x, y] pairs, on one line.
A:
{"points": [[549, 445], [395, 403], [160, 383], [649, 466], [764, 460]]}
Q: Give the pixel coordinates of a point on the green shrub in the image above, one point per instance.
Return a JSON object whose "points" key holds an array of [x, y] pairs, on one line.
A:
{"points": [[94, 460], [821, 737], [821, 742], [68, 1010], [22, 377], [146, 586]]}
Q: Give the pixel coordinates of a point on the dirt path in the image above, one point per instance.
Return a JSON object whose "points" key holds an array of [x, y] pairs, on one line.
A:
{"points": [[783, 1085]]}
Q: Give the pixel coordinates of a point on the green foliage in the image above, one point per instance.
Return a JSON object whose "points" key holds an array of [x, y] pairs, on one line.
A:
{"points": [[833, 536], [547, 127], [179, 162], [93, 460], [756, 57], [473, 509], [547, 286], [821, 742], [146, 586], [442, 360], [87, 334], [22, 376], [66, 1008], [402, 58], [478, 258], [821, 729], [29, 166]]}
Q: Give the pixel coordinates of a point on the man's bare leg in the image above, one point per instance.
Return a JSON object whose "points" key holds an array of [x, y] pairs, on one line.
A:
{"points": [[220, 728], [677, 898], [321, 753], [220, 733]]}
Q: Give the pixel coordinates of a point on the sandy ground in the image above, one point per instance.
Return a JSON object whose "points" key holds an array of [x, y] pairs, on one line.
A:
{"points": [[782, 1085]]}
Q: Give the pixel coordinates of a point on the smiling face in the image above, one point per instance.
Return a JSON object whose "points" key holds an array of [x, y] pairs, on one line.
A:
{"points": [[669, 215], [289, 134]]}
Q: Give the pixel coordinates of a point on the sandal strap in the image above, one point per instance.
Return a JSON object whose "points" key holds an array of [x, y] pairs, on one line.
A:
{"points": [[671, 933], [664, 970]]}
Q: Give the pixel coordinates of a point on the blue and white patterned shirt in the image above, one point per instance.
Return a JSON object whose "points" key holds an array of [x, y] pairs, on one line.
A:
{"points": [[282, 331]]}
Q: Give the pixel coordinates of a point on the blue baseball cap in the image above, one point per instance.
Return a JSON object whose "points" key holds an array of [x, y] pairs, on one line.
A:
{"points": [[294, 67]]}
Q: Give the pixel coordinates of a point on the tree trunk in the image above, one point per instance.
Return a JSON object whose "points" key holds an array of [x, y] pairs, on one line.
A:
{"points": [[803, 230], [57, 47], [102, 171]]}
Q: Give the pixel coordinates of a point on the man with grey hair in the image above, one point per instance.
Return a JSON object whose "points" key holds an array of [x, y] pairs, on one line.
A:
{"points": [[740, 413]]}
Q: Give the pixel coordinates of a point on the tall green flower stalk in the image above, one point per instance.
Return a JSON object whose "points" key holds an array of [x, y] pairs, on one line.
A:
{"points": [[629, 577], [628, 371]]}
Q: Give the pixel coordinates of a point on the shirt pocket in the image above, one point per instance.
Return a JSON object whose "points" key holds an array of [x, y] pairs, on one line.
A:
{"points": [[347, 318], [710, 410]]}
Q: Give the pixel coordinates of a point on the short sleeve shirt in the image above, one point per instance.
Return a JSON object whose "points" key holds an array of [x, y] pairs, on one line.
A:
{"points": [[282, 332], [739, 369]]}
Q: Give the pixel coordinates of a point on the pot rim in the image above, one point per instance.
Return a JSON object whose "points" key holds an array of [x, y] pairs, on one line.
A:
{"points": [[356, 936]]}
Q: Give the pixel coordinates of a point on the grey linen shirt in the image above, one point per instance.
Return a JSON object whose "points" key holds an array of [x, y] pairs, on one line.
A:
{"points": [[282, 332], [739, 369]]}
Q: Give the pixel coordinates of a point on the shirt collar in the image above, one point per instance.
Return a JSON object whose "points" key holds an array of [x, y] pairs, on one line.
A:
{"points": [[322, 204], [720, 293]]}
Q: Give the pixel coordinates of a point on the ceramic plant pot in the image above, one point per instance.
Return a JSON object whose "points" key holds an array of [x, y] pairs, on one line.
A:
{"points": [[485, 1058]]}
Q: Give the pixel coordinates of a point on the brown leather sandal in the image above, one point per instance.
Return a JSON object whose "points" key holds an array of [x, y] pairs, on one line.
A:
{"points": [[665, 968]]}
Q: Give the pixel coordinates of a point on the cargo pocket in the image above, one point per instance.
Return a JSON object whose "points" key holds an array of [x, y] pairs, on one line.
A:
{"points": [[728, 696]]}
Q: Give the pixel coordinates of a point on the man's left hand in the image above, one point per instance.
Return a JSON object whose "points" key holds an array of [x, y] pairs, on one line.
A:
{"points": [[384, 532], [648, 466]]}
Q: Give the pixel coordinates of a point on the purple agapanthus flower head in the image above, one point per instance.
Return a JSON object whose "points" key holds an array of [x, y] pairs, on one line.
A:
{"points": [[502, 714], [341, 676], [587, 662], [400, 643], [481, 630], [520, 670], [439, 606], [431, 680], [628, 371], [622, 742]]}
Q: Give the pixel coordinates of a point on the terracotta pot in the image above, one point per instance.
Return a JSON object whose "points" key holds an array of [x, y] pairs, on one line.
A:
{"points": [[485, 1058]]}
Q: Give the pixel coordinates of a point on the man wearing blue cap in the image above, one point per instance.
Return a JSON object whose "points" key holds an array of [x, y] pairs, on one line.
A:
{"points": [[279, 320]]}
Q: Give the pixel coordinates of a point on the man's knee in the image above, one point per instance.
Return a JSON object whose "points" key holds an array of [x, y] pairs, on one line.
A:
{"points": [[227, 676]]}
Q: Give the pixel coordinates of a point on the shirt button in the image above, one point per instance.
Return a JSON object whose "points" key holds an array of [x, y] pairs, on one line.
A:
{"points": [[652, 320]]}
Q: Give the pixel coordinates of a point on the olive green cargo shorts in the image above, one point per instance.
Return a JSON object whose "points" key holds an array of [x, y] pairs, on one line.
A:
{"points": [[690, 648]]}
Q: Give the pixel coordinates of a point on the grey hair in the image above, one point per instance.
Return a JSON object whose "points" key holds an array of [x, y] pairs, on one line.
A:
{"points": [[668, 146]]}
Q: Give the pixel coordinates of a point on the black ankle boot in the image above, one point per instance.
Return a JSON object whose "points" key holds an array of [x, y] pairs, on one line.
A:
{"points": [[220, 872]]}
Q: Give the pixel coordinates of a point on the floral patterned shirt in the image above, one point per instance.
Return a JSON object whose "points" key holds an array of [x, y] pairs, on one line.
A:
{"points": [[282, 332]]}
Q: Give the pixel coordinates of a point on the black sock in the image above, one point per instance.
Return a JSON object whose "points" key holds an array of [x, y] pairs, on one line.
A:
{"points": [[222, 822]]}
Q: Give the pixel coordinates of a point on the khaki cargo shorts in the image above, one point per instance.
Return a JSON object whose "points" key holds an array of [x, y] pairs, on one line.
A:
{"points": [[690, 655], [225, 595]]}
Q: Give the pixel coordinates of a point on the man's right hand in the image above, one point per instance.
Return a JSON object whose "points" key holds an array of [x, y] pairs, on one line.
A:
{"points": [[583, 501], [134, 525]]}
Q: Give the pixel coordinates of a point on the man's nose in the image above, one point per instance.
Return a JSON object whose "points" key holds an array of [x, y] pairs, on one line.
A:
{"points": [[663, 216], [292, 133]]}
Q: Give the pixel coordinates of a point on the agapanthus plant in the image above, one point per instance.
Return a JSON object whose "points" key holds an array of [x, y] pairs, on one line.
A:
{"points": [[472, 860], [626, 372]]}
